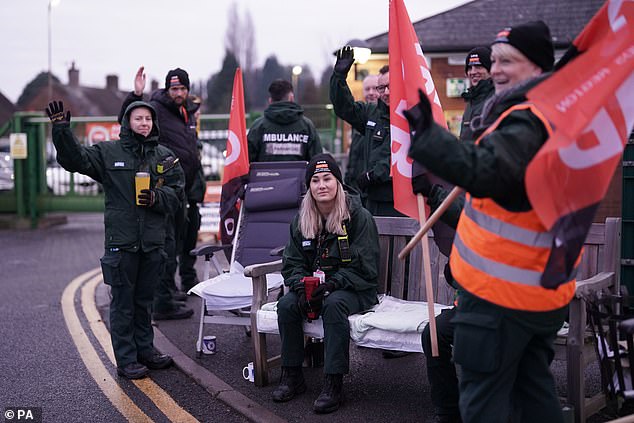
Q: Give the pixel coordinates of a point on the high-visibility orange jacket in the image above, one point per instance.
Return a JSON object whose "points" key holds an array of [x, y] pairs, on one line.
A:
{"points": [[500, 255]]}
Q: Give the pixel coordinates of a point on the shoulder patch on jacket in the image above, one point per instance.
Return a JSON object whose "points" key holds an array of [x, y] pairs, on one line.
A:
{"points": [[166, 164]]}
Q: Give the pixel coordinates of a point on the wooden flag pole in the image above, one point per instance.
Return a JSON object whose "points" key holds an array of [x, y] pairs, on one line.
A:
{"points": [[422, 216], [429, 223]]}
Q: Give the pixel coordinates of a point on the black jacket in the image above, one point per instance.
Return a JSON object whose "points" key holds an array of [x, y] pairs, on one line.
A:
{"points": [[283, 134], [475, 97], [496, 167], [372, 120], [114, 164]]}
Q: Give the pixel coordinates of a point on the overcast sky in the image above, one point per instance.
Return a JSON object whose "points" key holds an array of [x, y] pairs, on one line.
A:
{"points": [[116, 36]]}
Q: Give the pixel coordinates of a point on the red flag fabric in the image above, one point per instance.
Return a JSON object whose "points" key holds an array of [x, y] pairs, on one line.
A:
{"points": [[408, 73], [589, 102], [236, 163]]}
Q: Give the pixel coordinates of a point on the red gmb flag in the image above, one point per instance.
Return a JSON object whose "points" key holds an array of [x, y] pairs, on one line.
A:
{"points": [[236, 163], [408, 73], [589, 103]]}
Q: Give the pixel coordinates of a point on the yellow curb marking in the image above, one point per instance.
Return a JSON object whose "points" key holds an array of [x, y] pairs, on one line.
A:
{"points": [[109, 386], [163, 401], [91, 360]]}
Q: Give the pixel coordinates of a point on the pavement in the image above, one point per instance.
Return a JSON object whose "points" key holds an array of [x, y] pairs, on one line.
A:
{"points": [[376, 389]]}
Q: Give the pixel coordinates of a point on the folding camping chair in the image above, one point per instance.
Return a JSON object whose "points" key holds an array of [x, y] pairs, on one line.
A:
{"points": [[612, 322], [272, 197]]}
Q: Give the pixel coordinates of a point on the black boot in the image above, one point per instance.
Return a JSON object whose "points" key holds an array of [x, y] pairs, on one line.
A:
{"points": [[291, 384], [331, 396]]}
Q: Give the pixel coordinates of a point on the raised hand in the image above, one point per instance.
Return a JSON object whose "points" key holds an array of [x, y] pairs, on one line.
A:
{"points": [[139, 81], [345, 59], [420, 116], [55, 112]]}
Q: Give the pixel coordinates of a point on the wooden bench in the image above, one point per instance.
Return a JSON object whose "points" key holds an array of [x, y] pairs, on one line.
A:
{"points": [[598, 271], [394, 232]]}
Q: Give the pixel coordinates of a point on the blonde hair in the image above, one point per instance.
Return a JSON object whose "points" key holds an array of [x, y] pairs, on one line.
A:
{"points": [[311, 220], [507, 51]]}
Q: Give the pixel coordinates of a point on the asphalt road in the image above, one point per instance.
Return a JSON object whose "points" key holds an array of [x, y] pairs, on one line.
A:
{"points": [[40, 366]]}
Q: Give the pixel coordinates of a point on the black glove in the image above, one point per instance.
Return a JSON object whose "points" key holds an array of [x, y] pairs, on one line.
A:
{"points": [[300, 291], [147, 197], [55, 112], [323, 290], [421, 185], [364, 180], [420, 116], [345, 59]]}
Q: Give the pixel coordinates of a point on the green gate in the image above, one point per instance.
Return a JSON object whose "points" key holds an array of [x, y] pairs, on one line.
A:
{"points": [[32, 187]]}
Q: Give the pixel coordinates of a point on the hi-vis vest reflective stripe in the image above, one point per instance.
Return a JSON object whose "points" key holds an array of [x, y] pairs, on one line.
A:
{"points": [[500, 256]]}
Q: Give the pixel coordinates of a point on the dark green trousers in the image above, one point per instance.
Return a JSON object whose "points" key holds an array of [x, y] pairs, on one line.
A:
{"points": [[510, 373], [163, 299], [132, 278], [186, 261], [335, 311]]}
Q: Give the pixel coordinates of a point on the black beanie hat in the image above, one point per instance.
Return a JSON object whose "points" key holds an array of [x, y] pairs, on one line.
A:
{"points": [[533, 40], [479, 56], [322, 163], [176, 77]]}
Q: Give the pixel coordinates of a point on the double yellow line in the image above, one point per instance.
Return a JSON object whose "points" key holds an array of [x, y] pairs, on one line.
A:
{"points": [[88, 282]]}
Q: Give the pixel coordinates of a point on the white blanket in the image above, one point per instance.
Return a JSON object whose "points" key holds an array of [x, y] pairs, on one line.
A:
{"points": [[233, 290]]}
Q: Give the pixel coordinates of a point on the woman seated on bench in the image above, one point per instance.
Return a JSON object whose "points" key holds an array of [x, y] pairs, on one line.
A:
{"points": [[335, 235]]}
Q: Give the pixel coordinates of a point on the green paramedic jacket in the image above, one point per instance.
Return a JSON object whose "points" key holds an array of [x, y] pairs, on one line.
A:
{"points": [[373, 122], [114, 164], [283, 134], [303, 256]]}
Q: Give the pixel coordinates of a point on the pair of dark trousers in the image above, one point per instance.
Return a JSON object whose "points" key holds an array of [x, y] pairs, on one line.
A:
{"points": [[335, 311], [505, 358], [163, 297], [186, 261], [132, 278], [441, 371]]}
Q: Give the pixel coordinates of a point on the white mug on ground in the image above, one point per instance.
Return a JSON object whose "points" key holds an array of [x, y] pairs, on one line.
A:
{"points": [[209, 344], [247, 372]]}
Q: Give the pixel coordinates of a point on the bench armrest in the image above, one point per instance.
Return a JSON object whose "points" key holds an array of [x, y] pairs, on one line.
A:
{"points": [[257, 273], [596, 283]]}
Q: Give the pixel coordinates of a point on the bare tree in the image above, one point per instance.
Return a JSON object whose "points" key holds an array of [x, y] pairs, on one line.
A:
{"points": [[240, 38], [233, 42]]}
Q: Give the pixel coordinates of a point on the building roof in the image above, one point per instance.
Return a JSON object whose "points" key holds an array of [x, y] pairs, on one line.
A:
{"points": [[476, 23], [6, 109]]}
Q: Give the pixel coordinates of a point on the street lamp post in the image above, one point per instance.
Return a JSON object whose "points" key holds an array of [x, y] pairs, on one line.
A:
{"points": [[297, 70], [51, 5]]}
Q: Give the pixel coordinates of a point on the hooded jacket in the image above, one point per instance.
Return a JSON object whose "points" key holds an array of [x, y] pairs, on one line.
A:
{"points": [[178, 131], [303, 256], [283, 134], [114, 164]]}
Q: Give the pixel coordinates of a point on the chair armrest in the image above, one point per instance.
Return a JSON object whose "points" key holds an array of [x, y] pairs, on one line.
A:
{"points": [[277, 252], [260, 269], [208, 250], [596, 283]]}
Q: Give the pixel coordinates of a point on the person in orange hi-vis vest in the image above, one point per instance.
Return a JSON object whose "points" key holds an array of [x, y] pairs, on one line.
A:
{"points": [[501, 249]]}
